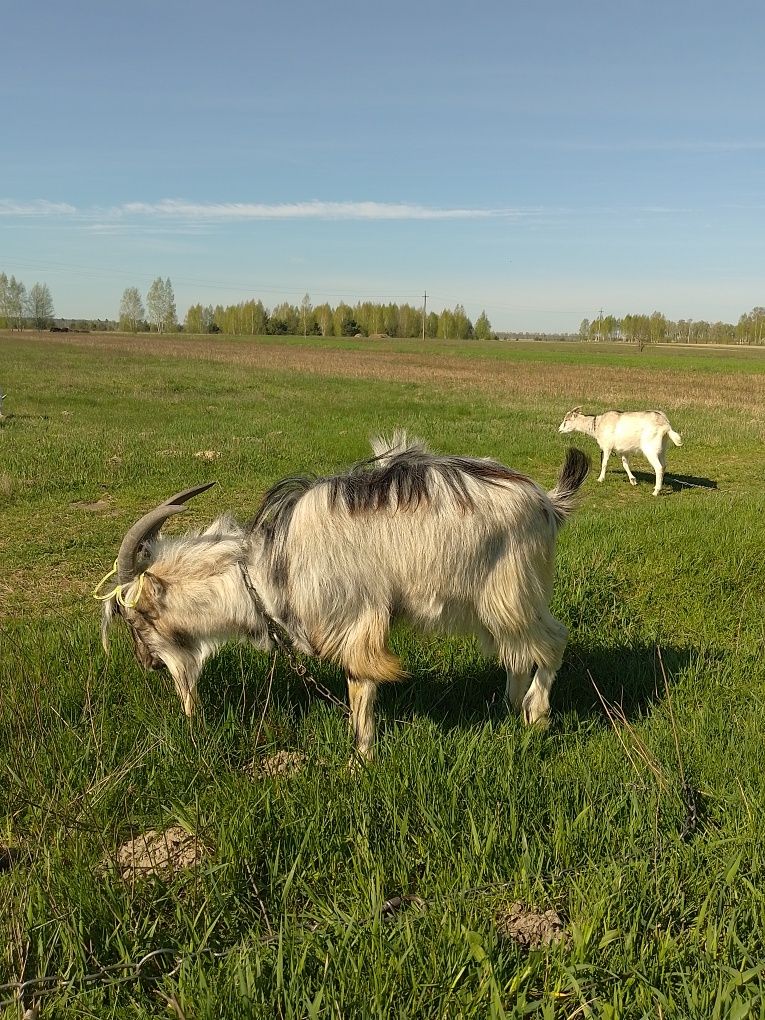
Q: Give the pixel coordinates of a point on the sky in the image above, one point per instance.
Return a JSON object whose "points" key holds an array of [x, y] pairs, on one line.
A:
{"points": [[536, 160]]}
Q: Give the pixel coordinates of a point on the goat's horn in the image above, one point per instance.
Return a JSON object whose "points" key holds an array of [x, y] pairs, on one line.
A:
{"points": [[147, 527]]}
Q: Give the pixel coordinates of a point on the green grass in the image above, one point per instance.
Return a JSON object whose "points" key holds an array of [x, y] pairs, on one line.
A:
{"points": [[464, 808]]}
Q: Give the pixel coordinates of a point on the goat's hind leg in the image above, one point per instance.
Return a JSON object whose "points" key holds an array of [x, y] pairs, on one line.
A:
{"points": [[549, 655], [656, 459]]}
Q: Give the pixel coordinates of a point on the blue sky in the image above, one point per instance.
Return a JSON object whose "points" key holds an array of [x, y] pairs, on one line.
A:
{"points": [[537, 160]]}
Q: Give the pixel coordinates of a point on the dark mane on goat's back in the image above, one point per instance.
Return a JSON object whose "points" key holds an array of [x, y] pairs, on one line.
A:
{"points": [[404, 479], [274, 515], [400, 480]]}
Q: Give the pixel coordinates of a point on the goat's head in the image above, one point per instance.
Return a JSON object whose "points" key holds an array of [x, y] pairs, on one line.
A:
{"points": [[571, 422], [139, 595]]}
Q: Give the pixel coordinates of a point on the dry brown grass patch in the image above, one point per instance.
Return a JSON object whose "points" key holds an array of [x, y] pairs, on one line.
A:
{"points": [[504, 380]]}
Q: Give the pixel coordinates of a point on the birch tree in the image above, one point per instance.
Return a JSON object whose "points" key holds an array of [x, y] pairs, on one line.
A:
{"points": [[132, 312], [482, 328], [305, 311], [39, 306], [160, 303], [15, 301]]}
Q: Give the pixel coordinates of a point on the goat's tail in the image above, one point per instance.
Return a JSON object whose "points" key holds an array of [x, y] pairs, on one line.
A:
{"points": [[676, 438], [572, 474]]}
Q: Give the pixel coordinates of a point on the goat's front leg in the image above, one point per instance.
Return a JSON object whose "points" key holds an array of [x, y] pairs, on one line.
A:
{"points": [[361, 694], [604, 461], [625, 465], [517, 685], [185, 669]]}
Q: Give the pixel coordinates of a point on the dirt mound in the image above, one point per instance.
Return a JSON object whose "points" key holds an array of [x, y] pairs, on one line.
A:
{"points": [[529, 927], [162, 854], [283, 763]]}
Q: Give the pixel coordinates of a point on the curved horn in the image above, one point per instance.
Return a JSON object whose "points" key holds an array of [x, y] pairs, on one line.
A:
{"points": [[147, 527]]}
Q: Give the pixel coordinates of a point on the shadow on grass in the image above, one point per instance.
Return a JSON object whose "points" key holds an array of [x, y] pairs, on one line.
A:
{"points": [[468, 693], [674, 482], [628, 676]]}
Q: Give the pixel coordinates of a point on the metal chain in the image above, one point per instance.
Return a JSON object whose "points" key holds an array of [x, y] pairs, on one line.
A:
{"points": [[283, 642]]}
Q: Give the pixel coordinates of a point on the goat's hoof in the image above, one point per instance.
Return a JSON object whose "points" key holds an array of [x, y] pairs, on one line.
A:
{"points": [[633, 481], [359, 760], [536, 720]]}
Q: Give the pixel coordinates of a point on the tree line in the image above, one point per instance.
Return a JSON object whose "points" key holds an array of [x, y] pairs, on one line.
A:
{"points": [[365, 318], [657, 328], [253, 318], [20, 307]]}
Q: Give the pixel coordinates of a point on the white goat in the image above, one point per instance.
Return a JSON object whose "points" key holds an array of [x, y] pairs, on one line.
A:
{"points": [[626, 432], [451, 542]]}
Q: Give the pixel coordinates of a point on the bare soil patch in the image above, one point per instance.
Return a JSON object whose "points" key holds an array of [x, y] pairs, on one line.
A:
{"points": [[103, 503], [529, 927], [162, 854], [283, 763]]}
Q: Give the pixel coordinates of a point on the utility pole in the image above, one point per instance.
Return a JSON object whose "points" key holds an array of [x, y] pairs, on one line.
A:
{"points": [[424, 308], [600, 325]]}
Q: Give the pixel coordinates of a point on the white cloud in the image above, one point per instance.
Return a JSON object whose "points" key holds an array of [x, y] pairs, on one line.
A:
{"points": [[315, 210], [37, 207]]}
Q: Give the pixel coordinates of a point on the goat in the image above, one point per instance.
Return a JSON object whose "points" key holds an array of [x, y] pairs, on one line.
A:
{"points": [[625, 432], [452, 542]]}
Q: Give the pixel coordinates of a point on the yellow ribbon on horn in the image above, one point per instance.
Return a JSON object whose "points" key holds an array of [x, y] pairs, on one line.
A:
{"points": [[116, 592]]}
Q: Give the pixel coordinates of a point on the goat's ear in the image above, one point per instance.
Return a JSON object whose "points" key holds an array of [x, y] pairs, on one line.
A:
{"points": [[153, 593], [574, 410]]}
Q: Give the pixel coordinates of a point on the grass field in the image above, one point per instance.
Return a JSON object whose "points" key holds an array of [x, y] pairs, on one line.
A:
{"points": [[634, 820]]}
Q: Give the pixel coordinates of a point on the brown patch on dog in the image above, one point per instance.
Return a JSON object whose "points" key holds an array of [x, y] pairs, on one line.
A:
{"points": [[529, 927], [159, 854]]}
